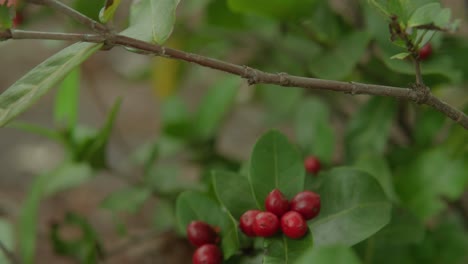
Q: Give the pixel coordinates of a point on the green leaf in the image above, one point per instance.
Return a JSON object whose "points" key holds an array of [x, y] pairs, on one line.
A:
{"points": [[193, 206], [164, 215], [66, 100], [424, 15], [354, 207], [233, 192], [282, 250], [5, 18], [429, 177], [214, 106], [7, 238], [176, 118], [378, 167], [94, 149], [314, 131], [275, 163], [335, 254], [427, 126], [24, 92], [370, 127], [89, 8], [273, 8], [167, 179], [400, 56], [289, 99], [339, 62], [36, 129], [108, 11], [151, 20], [60, 178], [129, 199]]}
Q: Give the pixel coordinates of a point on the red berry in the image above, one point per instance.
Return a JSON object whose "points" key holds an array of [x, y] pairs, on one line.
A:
{"points": [[306, 203], [207, 254], [425, 51], [276, 203], [266, 224], [312, 164], [200, 233], [246, 222], [293, 225]]}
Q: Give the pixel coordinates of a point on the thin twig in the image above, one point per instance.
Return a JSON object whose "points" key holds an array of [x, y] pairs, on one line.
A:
{"points": [[8, 254], [70, 12], [255, 76], [23, 34]]}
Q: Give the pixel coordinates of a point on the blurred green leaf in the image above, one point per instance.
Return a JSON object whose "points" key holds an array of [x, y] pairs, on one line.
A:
{"points": [[429, 177], [36, 129], [7, 238], [129, 199], [336, 254], [24, 92], [273, 8], [314, 131], [427, 126], [219, 15], [354, 207], [378, 167], [5, 18], [89, 8], [369, 129], [289, 99], [167, 179], [108, 10], [164, 215], [66, 100], [86, 248], [233, 192], [176, 118], [275, 163], [280, 249], [339, 62], [425, 15], [214, 106], [152, 21], [63, 177], [323, 14], [400, 56]]}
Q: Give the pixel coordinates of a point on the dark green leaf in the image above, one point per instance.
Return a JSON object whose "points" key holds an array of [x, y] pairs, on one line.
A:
{"points": [[289, 99], [108, 11], [89, 8], [66, 100], [282, 250], [129, 199], [233, 192], [273, 8], [275, 163], [429, 177], [369, 129], [339, 62], [5, 18], [214, 106], [354, 207], [314, 131], [24, 92], [426, 127], [152, 21], [329, 255]]}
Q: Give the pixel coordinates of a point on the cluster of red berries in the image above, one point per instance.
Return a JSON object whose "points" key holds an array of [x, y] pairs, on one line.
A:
{"points": [[291, 216], [205, 238]]}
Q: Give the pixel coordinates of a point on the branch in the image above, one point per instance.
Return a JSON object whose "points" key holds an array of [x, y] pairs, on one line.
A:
{"points": [[254, 76]]}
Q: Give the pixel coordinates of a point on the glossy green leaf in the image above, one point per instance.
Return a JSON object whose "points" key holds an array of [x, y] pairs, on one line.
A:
{"points": [[354, 207], [273, 8], [61, 178], [129, 199], [233, 192], [7, 238], [429, 177], [192, 206], [151, 20], [336, 254], [108, 11], [214, 106], [369, 129], [24, 92], [282, 250], [378, 167], [66, 100], [314, 131], [275, 163], [339, 62]]}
